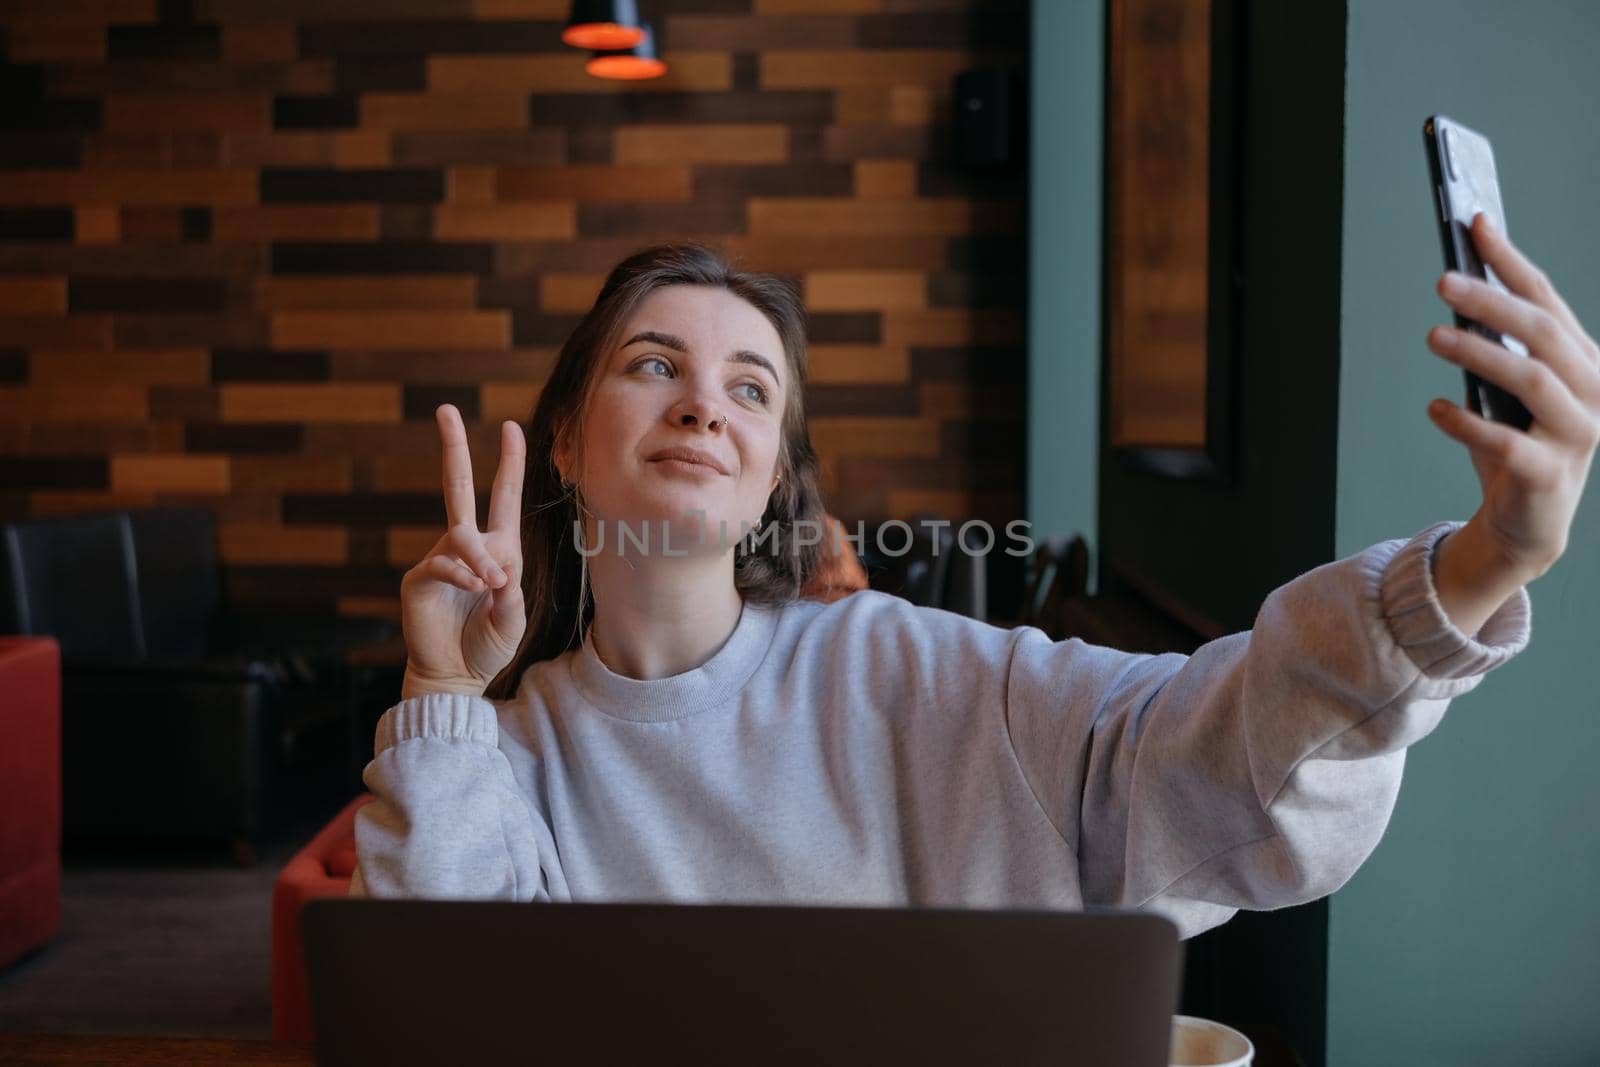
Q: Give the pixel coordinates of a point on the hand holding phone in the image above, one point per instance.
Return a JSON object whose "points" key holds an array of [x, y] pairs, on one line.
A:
{"points": [[1461, 163]]}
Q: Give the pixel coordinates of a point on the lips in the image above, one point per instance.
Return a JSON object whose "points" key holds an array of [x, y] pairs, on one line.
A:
{"points": [[690, 455]]}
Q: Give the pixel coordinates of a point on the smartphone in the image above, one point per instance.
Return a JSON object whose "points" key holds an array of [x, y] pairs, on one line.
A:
{"points": [[1461, 164]]}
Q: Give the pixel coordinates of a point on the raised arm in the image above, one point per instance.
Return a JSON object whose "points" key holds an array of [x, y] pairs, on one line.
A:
{"points": [[448, 821], [1262, 770]]}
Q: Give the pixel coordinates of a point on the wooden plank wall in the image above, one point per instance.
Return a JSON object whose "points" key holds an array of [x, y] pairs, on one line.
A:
{"points": [[248, 246]]}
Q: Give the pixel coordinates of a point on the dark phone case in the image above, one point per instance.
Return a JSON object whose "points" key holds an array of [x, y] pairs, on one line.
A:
{"points": [[1484, 398]]}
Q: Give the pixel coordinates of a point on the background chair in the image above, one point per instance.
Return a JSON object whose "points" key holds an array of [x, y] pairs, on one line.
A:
{"points": [[180, 717], [932, 569], [30, 794]]}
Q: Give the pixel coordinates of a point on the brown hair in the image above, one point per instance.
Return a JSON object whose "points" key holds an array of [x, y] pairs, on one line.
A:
{"points": [[552, 574]]}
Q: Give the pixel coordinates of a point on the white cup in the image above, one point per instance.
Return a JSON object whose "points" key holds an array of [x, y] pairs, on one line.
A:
{"points": [[1203, 1043]]}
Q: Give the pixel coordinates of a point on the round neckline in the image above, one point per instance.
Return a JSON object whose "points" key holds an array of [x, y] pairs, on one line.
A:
{"points": [[714, 682]]}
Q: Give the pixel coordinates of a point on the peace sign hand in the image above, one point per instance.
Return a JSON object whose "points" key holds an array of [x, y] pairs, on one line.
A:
{"points": [[461, 608]]}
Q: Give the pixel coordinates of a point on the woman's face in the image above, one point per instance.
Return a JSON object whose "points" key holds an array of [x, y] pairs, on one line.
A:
{"points": [[696, 368]]}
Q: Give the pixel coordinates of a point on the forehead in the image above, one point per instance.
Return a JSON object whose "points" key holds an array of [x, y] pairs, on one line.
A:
{"points": [[712, 321]]}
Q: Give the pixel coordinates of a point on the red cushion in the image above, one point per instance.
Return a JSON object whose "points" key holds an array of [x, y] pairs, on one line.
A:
{"points": [[341, 861], [30, 794], [321, 869]]}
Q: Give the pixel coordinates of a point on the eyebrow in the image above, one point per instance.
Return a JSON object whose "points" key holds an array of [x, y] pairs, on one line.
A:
{"points": [[743, 355]]}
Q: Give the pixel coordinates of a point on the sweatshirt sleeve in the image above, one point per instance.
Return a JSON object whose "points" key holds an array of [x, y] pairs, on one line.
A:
{"points": [[448, 821], [1260, 771]]}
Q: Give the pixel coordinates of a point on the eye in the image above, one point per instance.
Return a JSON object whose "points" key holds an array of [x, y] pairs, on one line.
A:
{"points": [[758, 393], [658, 361]]}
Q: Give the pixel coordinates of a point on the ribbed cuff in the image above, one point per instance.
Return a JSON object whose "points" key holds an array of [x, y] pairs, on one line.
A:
{"points": [[1410, 605], [450, 716]]}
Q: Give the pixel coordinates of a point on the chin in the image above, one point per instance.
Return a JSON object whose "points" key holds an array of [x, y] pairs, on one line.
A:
{"points": [[684, 511]]}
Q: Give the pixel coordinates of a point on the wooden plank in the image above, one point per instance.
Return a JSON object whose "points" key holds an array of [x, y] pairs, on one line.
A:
{"points": [[158, 473], [866, 290], [857, 364], [473, 109], [569, 292], [371, 607], [595, 182], [521, 9], [856, 68], [794, 253], [952, 326], [56, 331], [564, 73], [83, 402], [943, 217], [97, 224], [402, 328], [249, 543], [541, 146], [529, 221], [310, 403], [321, 292], [234, 11], [72, 367], [443, 366], [33, 296], [817, 7], [702, 143], [259, 42], [867, 436], [297, 473], [297, 222], [49, 503], [169, 112], [406, 546], [50, 40], [747, 33], [885, 179], [406, 474], [178, 187], [470, 185], [309, 148], [508, 400]]}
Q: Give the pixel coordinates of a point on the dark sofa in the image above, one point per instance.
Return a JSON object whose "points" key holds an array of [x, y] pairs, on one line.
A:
{"points": [[180, 717]]}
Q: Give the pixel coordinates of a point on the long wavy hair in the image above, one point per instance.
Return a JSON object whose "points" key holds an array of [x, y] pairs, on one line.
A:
{"points": [[554, 584]]}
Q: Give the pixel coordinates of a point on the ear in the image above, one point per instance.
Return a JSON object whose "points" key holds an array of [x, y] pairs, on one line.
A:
{"points": [[561, 455]]}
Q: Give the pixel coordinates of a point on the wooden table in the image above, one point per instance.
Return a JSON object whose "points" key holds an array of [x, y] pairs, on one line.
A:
{"points": [[29, 1050], [26, 1050]]}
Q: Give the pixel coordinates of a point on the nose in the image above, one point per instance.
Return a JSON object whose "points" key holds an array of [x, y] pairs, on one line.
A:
{"points": [[697, 411]]}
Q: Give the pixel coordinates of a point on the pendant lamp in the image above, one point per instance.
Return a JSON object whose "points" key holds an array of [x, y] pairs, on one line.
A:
{"points": [[603, 25], [629, 64]]}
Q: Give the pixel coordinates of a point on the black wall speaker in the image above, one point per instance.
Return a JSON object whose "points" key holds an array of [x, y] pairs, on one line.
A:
{"points": [[989, 118]]}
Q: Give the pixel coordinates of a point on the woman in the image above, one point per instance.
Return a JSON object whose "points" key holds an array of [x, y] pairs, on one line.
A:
{"points": [[698, 733]]}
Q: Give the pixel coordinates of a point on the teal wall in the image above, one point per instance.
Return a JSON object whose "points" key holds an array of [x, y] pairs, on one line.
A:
{"points": [[1064, 265], [1473, 933]]}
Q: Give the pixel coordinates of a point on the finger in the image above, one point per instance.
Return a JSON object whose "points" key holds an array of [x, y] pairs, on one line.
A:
{"points": [[469, 546], [507, 614], [505, 500], [451, 572], [1507, 446], [459, 504], [1547, 337], [1523, 277], [1544, 394]]}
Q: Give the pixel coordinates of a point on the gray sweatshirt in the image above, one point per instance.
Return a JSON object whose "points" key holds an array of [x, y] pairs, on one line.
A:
{"points": [[873, 752]]}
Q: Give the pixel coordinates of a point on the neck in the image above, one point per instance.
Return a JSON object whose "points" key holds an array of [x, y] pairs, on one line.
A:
{"points": [[659, 616]]}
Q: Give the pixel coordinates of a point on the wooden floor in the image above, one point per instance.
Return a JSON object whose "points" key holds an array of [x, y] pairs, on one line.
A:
{"points": [[176, 944]]}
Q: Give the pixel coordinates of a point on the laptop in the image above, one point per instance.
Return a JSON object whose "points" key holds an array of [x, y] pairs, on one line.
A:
{"points": [[447, 982]]}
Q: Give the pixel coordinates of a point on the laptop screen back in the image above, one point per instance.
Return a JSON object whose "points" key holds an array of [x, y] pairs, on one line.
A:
{"points": [[399, 982]]}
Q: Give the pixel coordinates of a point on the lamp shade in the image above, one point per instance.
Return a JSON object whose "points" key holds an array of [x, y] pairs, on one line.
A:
{"points": [[603, 25], [629, 64]]}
